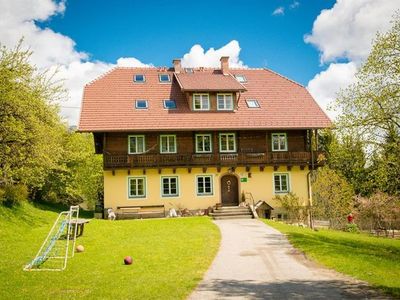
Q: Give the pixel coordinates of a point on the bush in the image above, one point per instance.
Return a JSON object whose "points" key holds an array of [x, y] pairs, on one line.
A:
{"points": [[294, 207], [12, 195], [352, 228], [332, 197]]}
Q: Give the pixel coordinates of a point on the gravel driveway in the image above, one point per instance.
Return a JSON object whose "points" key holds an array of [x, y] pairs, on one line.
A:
{"points": [[256, 261]]}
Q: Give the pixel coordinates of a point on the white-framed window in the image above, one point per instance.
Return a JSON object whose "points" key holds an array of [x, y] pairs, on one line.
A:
{"points": [[252, 103], [139, 78], [136, 144], [169, 104], [168, 143], [189, 70], [281, 183], [201, 102], [164, 78], [279, 142], [227, 142], [203, 143], [141, 104], [241, 78], [169, 186], [204, 185], [136, 187], [224, 101]]}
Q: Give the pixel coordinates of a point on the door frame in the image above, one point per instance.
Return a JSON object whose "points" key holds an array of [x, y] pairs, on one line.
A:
{"points": [[238, 186]]}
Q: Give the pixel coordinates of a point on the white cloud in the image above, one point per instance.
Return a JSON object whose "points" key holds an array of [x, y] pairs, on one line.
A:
{"points": [[211, 58], [348, 28], [294, 4], [325, 85], [50, 49], [279, 11], [17, 21], [346, 31], [131, 62]]}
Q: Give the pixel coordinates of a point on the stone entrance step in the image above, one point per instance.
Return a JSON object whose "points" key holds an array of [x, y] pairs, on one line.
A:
{"points": [[231, 212]]}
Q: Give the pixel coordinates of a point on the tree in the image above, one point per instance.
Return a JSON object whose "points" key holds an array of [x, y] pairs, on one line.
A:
{"points": [[332, 197], [77, 178], [370, 108], [295, 209], [29, 124], [379, 212], [37, 151], [345, 154]]}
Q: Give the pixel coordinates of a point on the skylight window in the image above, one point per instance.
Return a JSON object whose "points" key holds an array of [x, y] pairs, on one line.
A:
{"points": [[169, 104], [252, 103], [189, 70], [241, 78], [139, 78], [141, 104], [164, 78]]}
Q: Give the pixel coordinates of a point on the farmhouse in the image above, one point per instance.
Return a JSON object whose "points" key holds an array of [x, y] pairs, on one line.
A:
{"points": [[196, 137]]}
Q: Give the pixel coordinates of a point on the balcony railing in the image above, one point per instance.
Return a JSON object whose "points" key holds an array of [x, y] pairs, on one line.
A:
{"points": [[123, 160]]}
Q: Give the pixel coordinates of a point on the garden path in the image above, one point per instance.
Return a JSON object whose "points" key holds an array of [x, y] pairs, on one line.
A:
{"points": [[256, 261]]}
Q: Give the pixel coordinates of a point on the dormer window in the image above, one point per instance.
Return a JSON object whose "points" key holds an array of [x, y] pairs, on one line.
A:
{"points": [[241, 78], [169, 104], [201, 102], [224, 101], [252, 103], [189, 70], [139, 78], [141, 104], [164, 78]]}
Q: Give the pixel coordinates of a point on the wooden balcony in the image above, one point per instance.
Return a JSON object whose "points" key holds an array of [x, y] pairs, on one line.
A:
{"points": [[123, 160]]}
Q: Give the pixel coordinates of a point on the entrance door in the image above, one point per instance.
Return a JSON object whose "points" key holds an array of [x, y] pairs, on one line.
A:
{"points": [[229, 191]]}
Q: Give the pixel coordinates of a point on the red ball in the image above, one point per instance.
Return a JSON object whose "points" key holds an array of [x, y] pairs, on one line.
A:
{"points": [[128, 260]]}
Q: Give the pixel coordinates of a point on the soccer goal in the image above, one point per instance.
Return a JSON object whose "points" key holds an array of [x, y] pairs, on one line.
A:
{"points": [[56, 249]]}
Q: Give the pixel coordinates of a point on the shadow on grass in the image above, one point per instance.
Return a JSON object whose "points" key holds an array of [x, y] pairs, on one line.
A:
{"points": [[351, 248], [355, 246], [25, 214], [59, 207], [332, 289]]}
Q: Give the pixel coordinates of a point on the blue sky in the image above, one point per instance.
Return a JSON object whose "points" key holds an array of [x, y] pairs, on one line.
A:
{"points": [[158, 31], [318, 43]]}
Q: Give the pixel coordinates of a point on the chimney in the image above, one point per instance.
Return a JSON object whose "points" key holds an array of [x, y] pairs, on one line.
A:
{"points": [[177, 65], [225, 65]]}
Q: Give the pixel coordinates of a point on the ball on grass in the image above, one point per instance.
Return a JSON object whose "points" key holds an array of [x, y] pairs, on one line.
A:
{"points": [[128, 260], [80, 248]]}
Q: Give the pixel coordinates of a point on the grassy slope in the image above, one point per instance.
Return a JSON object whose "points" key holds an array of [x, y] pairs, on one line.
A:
{"points": [[170, 257], [375, 260]]}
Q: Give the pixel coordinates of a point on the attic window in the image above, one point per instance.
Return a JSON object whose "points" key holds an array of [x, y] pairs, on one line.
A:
{"points": [[139, 78], [164, 78], [141, 104], [252, 103], [169, 104], [189, 70], [241, 78]]}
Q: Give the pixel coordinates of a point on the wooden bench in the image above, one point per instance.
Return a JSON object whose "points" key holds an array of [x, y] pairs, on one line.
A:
{"points": [[140, 212], [321, 224]]}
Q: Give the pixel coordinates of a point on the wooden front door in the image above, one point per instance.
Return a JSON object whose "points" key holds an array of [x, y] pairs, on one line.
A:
{"points": [[229, 191]]}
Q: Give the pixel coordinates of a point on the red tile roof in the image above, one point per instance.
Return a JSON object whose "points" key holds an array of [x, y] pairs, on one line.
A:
{"points": [[109, 104], [208, 81]]}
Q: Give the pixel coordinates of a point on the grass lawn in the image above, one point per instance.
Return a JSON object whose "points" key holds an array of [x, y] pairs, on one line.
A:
{"points": [[372, 259], [170, 257]]}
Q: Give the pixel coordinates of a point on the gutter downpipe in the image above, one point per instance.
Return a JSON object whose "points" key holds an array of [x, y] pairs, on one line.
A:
{"points": [[310, 203]]}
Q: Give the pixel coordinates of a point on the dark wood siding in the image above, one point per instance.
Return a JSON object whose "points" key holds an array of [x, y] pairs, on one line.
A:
{"points": [[257, 141]]}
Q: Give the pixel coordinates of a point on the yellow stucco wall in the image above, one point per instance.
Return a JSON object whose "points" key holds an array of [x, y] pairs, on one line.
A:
{"points": [[259, 183]]}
